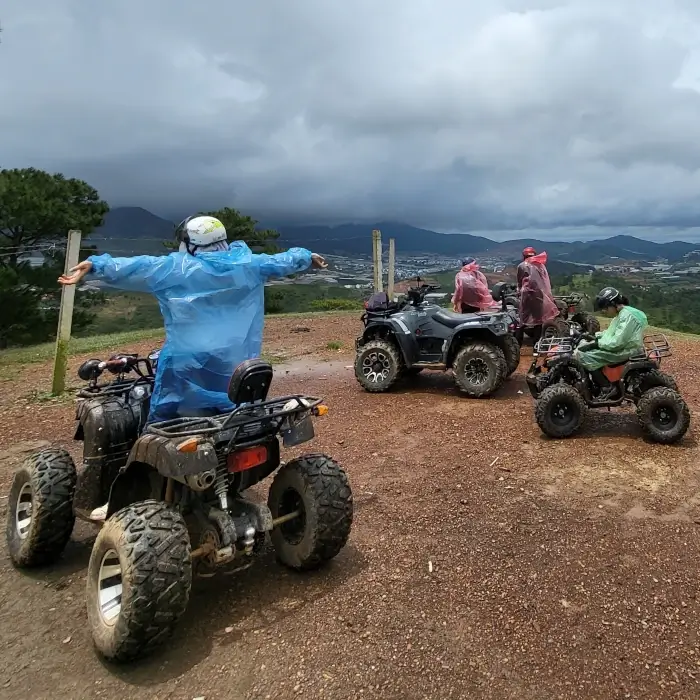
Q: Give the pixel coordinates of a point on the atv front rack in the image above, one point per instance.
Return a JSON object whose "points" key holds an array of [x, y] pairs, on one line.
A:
{"points": [[263, 417], [554, 346]]}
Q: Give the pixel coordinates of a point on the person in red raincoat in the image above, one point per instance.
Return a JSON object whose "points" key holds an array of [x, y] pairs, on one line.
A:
{"points": [[537, 305], [471, 289]]}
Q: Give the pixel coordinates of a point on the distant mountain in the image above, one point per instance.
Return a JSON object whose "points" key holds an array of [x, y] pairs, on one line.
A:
{"points": [[133, 230]]}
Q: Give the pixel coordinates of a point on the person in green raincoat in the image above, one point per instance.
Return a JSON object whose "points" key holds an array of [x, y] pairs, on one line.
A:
{"points": [[623, 338]]}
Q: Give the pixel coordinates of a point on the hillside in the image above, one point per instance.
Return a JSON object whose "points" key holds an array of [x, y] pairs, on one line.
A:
{"points": [[136, 230]]}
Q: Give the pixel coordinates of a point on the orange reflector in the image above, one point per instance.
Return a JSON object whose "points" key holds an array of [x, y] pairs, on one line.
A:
{"points": [[189, 445], [321, 410], [247, 459]]}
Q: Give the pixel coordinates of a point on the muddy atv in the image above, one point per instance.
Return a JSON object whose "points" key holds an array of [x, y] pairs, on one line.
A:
{"points": [[564, 390], [402, 339], [570, 310], [175, 498], [507, 294]]}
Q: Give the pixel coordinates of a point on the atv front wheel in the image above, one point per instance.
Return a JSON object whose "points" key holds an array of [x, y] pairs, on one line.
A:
{"points": [[663, 415], [317, 487], [479, 369], [511, 351], [139, 580], [377, 366], [560, 411], [40, 515], [558, 328]]}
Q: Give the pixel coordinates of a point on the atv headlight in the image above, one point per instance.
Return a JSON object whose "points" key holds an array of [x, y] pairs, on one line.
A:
{"points": [[499, 327]]}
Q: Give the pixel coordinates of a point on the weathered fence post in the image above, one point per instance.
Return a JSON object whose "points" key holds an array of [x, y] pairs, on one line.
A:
{"points": [[377, 260], [392, 267], [65, 316]]}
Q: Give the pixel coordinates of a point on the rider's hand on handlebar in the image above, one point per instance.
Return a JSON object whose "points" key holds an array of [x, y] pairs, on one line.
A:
{"points": [[78, 272]]}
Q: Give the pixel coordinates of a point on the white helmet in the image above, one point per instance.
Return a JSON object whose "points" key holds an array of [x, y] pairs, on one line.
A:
{"points": [[199, 231]]}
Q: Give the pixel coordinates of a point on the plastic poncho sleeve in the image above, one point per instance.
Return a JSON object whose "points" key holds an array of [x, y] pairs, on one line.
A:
{"points": [[137, 274], [283, 264], [623, 337]]}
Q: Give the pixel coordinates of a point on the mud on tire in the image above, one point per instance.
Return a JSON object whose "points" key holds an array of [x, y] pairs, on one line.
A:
{"points": [[560, 411], [145, 549], [40, 515], [479, 369], [318, 486], [558, 328], [663, 415], [378, 364], [511, 351]]}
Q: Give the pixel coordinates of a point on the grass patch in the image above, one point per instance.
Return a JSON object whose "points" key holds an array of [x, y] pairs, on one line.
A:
{"points": [[334, 345]]}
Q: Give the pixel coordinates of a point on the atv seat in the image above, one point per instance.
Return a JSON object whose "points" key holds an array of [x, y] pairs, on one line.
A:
{"points": [[250, 382], [450, 318]]}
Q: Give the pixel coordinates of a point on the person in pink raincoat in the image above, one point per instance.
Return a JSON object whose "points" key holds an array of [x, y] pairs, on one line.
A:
{"points": [[537, 304], [471, 289]]}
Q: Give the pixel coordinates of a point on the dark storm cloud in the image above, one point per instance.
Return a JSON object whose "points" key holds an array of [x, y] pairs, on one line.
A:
{"points": [[441, 113]]}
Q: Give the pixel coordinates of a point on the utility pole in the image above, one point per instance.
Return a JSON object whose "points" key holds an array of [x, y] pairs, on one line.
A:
{"points": [[392, 266], [65, 316], [377, 260]]}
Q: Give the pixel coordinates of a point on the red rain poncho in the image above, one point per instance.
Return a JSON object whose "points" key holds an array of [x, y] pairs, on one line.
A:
{"points": [[472, 288], [537, 305]]}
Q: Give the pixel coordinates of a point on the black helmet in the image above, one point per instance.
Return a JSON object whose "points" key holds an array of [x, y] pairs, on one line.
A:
{"points": [[607, 297]]}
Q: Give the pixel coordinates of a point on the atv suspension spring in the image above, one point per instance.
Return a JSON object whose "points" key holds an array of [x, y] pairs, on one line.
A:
{"points": [[221, 486]]}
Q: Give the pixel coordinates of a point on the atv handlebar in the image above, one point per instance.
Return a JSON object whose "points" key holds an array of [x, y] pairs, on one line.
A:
{"points": [[91, 370]]}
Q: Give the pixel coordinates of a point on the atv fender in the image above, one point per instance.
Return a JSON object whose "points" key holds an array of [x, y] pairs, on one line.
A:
{"points": [[398, 331], [474, 331], [108, 427]]}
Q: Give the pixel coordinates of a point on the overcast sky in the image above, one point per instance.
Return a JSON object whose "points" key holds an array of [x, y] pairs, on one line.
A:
{"points": [[448, 114]]}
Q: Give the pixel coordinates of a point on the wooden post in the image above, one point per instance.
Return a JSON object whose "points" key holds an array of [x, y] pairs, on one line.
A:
{"points": [[392, 266], [377, 260], [65, 317]]}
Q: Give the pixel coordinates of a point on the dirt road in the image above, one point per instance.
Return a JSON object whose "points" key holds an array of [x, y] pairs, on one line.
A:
{"points": [[559, 569]]}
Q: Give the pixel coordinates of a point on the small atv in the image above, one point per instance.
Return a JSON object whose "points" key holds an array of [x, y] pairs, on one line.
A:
{"points": [[404, 338], [564, 390], [569, 306], [174, 491], [507, 293]]}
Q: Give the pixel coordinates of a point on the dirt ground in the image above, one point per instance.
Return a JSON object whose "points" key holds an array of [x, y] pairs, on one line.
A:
{"points": [[485, 561]]}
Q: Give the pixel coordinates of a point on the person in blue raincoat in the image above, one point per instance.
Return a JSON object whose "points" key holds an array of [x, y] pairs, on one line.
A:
{"points": [[211, 295], [623, 338]]}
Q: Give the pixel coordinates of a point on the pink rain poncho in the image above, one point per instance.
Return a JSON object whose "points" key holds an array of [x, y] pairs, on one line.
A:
{"points": [[537, 305], [472, 288]]}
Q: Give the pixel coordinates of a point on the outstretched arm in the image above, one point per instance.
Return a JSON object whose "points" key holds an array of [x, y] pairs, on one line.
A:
{"points": [[138, 274], [288, 263]]}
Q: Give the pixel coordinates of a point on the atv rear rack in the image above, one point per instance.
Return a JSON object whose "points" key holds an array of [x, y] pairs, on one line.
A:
{"points": [[263, 416], [554, 346], [656, 346]]}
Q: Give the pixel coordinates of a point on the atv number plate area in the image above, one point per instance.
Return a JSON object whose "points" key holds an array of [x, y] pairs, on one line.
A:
{"points": [[299, 432]]}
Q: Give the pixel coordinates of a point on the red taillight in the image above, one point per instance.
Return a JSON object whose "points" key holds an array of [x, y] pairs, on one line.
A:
{"points": [[247, 459], [572, 309]]}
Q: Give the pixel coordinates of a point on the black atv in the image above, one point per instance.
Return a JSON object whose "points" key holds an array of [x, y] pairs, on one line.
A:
{"points": [[174, 494], [507, 293], [570, 310], [564, 390], [404, 338]]}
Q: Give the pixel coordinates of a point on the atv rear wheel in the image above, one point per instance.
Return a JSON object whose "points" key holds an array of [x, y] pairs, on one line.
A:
{"points": [[655, 377], [560, 411], [378, 365], [511, 351], [139, 580], [317, 487], [40, 514], [663, 415], [479, 369]]}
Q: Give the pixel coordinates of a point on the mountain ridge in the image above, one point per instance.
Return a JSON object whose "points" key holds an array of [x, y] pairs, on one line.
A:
{"points": [[134, 230]]}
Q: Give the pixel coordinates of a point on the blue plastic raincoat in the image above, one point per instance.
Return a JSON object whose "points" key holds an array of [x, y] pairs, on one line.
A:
{"points": [[618, 342], [213, 309]]}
